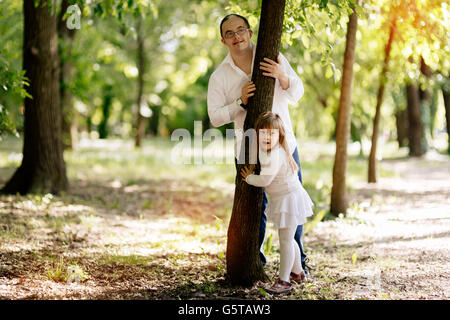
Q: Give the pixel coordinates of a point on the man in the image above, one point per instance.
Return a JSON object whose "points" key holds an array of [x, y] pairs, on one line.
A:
{"points": [[230, 87]]}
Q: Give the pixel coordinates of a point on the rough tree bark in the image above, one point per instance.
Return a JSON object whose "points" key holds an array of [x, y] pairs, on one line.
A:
{"points": [[243, 263], [140, 127], [42, 168], [339, 198], [372, 174]]}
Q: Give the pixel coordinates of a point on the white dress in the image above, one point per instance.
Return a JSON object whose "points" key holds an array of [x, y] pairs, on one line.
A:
{"points": [[289, 203]]}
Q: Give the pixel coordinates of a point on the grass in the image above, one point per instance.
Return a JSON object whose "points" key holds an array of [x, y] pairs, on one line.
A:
{"points": [[117, 163], [135, 224]]}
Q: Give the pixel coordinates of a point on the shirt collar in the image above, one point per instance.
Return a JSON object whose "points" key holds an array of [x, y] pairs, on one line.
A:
{"points": [[230, 61]]}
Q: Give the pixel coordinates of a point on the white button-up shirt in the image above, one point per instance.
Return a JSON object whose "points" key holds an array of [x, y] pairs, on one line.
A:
{"points": [[225, 87]]}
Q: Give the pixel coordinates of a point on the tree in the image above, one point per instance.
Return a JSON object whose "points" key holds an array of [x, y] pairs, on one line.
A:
{"points": [[376, 122], [141, 70], [66, 37], [419, 32], [339, 201], [415, 127], [446, 93], [43, 168], [418, 113], [243, 263]]}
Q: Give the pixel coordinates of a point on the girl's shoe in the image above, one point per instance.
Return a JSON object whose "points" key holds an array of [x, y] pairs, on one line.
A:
{"points": [[280, 286], [299, 278]]}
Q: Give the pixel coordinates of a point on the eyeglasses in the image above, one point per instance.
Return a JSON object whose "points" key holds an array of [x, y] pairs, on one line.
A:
{"points": [[230, 34]]}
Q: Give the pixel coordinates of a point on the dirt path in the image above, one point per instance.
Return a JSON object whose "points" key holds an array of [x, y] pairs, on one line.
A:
{"points": [[395, 243]]}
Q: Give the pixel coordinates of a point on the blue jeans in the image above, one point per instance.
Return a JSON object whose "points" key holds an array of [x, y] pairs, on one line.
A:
{"points": [[262, 227]]}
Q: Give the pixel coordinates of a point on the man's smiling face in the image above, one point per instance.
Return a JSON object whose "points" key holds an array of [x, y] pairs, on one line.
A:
{"points": [[237, 42]]}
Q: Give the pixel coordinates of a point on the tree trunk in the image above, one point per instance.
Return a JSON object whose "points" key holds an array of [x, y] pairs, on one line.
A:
{"points": [[372, 174], [425, 102], [401, 121], [446, 94], [425, 106], [140, 127], [243, 263], [433, 109], [106, 109], [339, 198], [66, 36], [415, 130], [43, 168], [154, 120]]}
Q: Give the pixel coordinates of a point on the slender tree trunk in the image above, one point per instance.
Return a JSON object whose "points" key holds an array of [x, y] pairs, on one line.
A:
{"points": [[154, 120], [106, 109], [446, 93], [425, 106], [425, 101], [339, 198], [140, 127], [43, 168], [433, 109], [66, 37], [243, 263], [415, 129], [401, 121], [89, 124], [372, 174]]}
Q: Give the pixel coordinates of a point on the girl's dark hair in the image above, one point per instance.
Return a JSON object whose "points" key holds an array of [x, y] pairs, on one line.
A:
{"points": [[232, 15]]}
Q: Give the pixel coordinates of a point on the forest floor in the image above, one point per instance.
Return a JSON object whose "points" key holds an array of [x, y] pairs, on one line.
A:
{"points": [[129, 229]]}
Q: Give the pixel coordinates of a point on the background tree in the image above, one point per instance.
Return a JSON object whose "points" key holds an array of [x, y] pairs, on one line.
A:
{"points": [[43, 168], [66, 37], [339, 199], [446, 93], [383, 78], [419, 33]]}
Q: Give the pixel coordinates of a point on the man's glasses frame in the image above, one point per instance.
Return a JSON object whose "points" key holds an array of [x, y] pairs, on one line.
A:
{"points": [[231, 34]]}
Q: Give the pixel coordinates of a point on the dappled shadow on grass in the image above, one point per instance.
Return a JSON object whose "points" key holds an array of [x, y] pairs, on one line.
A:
{"points": [[93, 223], [116, 277], [318, 242], [143, 198], [151, 277], [147, 199]]}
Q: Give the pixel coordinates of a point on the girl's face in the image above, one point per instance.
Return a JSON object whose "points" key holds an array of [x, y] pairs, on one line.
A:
{"points": [[268, 138]]}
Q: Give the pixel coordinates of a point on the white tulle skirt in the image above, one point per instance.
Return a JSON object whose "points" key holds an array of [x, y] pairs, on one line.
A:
{"points": [[289, 210]]}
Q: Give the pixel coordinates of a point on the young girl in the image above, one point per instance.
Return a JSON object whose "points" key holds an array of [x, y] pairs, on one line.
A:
{"points": [[289, 203]]}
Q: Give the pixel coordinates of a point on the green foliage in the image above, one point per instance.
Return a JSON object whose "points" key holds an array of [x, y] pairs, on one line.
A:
{"points": [[12, 78], [60, 273], [269, 247], [182, 48]]}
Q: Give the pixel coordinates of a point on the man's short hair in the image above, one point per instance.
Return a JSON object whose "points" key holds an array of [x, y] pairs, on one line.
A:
{"points": [[232, 15]]}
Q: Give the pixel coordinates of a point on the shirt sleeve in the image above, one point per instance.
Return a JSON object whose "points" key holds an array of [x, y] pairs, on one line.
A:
{"points": [[295, 90], [268, 172], [219, 112]]}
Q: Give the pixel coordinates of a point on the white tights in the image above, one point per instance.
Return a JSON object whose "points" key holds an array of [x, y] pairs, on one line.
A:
{"points": [[289, 253]]}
